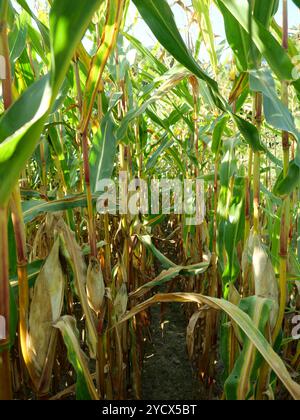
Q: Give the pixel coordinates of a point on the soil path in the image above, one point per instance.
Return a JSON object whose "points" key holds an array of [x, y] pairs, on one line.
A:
{"points": [[167, 371]]}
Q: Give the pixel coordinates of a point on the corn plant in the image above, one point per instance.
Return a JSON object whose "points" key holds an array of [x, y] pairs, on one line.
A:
{"points": [[81, 265]]}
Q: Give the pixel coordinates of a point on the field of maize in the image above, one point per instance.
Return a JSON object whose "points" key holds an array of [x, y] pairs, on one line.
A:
{"points": [[93, 122]]}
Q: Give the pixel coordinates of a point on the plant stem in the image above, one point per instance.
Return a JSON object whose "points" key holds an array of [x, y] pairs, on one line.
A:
{"points": [[19, 230], [5, 370], [285, 217], [87, 177], [20, 238], [256, 169], [215, 230], [256, 191], [248, 196], [107, 249], [4, 52]]}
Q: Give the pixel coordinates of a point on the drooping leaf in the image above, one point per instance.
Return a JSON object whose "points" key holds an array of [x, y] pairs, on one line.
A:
{"points": [[284, 186], [34, 208], [67, 27], [85, 388], [237, 38], [160, 19], [169, 80], [277, 114], [239, 384], [44, 31], [241, 319], [172, 270]]}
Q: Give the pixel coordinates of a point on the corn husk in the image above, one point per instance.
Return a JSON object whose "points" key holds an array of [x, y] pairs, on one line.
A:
{"points": [[95, 287], [73, 255], [121, 301], [45, 309], [266, 285]]}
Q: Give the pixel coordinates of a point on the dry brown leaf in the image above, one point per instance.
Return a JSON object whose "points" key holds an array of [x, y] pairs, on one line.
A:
{"points": [[190, 336]]}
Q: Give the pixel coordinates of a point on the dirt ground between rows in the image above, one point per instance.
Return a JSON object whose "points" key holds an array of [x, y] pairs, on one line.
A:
{"points": [[167, 371]]}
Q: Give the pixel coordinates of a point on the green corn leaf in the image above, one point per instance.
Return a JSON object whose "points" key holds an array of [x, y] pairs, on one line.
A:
{"points": [[115, 9], [202, 8], [168, 275], [263, 11], [159, 66], [237, 38], [277, 114], [169, 80], [34, 208], [164, 145], [217, 135], [159, 17], [20, 130], [17, 38], [67, 27], [41, 27], [85, 388], [104, 146], [286, 185], [267, 45], [172, 270], [147, 242], [103, 153], [21, 126], [239, 384]]}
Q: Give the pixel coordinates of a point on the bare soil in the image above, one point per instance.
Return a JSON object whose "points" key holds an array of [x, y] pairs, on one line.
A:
{"points": [[167, 371]]}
